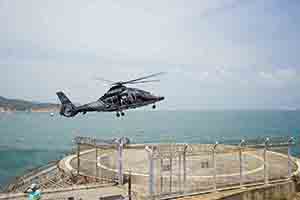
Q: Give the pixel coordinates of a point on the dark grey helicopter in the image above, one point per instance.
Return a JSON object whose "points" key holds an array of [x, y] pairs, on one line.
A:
{"points": [[117, 99]]}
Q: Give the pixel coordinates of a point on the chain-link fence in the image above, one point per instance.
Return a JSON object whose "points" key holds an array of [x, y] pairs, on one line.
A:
{"points": [[166, 170], [178, 169], [99, 160], [46, 176]]}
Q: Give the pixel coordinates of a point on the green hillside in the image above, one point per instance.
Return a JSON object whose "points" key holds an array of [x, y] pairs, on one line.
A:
{"points": [[22, 105]]}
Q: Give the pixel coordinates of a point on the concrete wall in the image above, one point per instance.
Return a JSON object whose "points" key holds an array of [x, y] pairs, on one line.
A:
{"points": [[63, 193], [279, 191]]}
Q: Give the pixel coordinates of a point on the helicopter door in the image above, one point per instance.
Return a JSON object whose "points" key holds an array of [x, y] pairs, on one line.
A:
{"points": [[124, 100], [114, 100], [132, 97], [128, 98]]}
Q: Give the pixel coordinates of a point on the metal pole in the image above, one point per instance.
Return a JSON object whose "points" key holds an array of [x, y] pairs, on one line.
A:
{"points": [[266, 172], [184, 167], [290, 142], [96, 164], [78, 158], [161, 175], [215, 166], [170, 174], [151, 172], [120, 161], [129, 186], [241, 162], [289, 162], [179, 172]]}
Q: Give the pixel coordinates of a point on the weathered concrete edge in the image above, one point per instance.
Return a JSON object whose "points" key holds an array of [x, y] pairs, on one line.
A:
{"points": [[58, 190], [228, 193], [276, 191], [222, 194]]}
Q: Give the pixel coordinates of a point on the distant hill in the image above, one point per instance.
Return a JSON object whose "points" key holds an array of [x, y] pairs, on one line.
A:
{"points": [[22, 105]]}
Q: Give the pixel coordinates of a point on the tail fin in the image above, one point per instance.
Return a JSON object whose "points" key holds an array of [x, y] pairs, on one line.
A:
{"points": [[67, 109], [63, 98]]}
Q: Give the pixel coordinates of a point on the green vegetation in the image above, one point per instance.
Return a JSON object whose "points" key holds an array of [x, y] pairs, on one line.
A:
{"points": [[22, 105]]}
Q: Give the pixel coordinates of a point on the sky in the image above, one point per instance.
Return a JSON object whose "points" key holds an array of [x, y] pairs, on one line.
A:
{"points": [[218, 54]]}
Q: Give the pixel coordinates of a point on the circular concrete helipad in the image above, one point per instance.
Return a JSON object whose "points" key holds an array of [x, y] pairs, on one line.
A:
{"points": [[136, 160], [199, 164]]}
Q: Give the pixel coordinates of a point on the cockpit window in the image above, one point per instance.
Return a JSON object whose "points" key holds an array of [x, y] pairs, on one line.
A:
{"points": [[115, 89]]}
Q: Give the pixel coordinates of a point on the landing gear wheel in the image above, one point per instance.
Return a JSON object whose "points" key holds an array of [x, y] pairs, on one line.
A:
{"points": [[122, 113], [153, 106], [118, 114]]}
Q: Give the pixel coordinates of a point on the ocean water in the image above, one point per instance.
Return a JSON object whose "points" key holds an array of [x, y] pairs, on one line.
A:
{"points": [[28, 140]]}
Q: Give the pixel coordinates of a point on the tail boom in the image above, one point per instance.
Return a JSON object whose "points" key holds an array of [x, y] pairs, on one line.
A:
{"points": [[68, 109]]}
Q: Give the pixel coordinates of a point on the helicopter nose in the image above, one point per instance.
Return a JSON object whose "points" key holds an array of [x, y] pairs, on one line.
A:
{"points": [[161, 98]]}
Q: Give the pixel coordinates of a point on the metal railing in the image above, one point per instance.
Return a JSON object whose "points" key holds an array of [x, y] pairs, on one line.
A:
{"points": [[178, 169], [181, 169]]}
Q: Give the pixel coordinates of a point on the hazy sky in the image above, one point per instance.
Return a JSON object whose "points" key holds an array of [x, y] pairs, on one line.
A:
{"points": [[219, 54]]}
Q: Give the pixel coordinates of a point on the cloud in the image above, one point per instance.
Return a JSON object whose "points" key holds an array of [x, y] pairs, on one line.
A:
{"points": [[229, 51], [265, 75]]}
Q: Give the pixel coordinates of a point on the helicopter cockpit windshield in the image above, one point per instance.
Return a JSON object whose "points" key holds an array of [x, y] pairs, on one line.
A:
{"points": [[116, 89]]}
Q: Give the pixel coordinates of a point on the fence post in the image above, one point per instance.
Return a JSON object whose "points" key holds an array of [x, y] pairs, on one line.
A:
{"points": [[179, 171], [96, 161], [241, 162], [170, 178], [290, 167], [78, 158], [129, 186], [215, 165], [120, 145], [151, 172], [266, 171], [184, 166], [161, 175]]}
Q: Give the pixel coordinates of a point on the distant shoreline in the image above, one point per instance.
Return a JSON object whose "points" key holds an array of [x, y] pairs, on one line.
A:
{"points": [[17, 105], [32, 110]]}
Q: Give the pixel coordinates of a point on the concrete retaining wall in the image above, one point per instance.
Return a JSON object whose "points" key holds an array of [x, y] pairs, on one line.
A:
{"points": [[279, 191]]}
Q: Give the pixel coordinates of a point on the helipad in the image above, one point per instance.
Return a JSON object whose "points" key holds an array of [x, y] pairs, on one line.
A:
{"points": [[199, 166]]}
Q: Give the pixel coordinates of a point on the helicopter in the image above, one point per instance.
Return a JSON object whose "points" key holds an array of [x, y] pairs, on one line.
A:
{"points": [[117, 99]]}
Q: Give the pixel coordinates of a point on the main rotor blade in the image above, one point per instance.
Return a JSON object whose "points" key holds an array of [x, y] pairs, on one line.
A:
{"points": [[149, 81], [142, 78], [105, 80]]}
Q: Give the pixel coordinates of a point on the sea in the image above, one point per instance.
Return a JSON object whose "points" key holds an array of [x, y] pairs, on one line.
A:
{"points": [[30, 140]]}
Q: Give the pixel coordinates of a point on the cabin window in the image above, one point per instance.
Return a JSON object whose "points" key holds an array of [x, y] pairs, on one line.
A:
{"points": [[109, 100], [115, 100]]}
